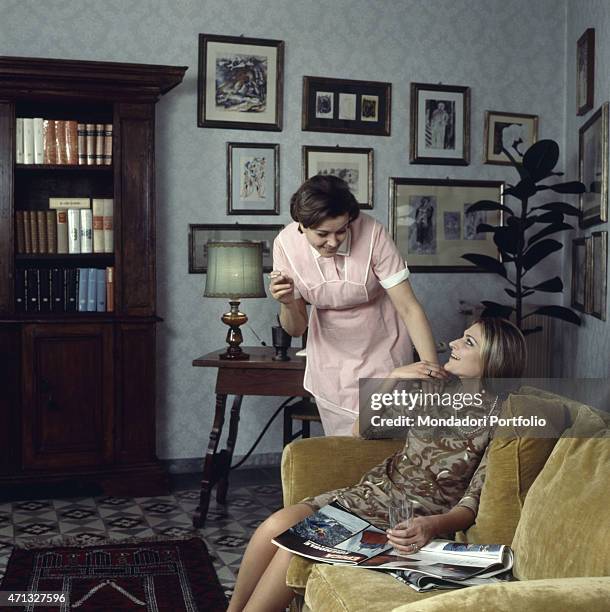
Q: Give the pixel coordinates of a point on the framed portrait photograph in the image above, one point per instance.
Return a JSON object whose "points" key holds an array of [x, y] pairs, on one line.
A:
{"points": [[581, 274], [585, 71], [347, 106], [240, 82], [593, 168], [201, 234], [599, 274], [440, 124], [512, 131], [253, 178], [354, 166], [431, 227]]}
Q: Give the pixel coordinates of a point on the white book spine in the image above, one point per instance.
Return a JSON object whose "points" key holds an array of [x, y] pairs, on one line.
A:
{"points": [[19, 140], [108, 225], [38, 141], [73, 230], [98, 225], [86, 231], [28, 140]]}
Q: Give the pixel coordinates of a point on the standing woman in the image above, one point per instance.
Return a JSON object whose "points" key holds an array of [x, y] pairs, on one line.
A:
{"points": [[364, 313]]}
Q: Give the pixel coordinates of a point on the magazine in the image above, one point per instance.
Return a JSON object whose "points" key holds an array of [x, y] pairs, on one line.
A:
{"points": [[335, 535]]}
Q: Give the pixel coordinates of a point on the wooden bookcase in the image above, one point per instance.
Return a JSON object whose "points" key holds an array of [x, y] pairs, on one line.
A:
{"points": [[77, 390]]}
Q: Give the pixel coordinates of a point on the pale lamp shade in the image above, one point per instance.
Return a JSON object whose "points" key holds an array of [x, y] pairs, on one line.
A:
{"points": [[235, 270]]}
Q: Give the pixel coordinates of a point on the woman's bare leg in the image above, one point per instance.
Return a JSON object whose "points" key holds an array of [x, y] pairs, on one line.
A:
{"points": [[260, 555]]}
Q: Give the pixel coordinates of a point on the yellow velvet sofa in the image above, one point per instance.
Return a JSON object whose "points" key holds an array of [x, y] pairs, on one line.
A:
{"points": [[548, 498]]}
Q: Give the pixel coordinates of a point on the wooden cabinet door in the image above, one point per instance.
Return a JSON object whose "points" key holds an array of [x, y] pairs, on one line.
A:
{"points": [[68, 395]]}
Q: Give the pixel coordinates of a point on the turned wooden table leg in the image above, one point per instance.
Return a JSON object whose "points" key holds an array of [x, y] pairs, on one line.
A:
{"points": [[223, 485], [210, 464]]}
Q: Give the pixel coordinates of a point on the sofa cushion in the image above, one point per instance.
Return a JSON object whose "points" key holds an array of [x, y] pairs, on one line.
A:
{"points": [[574, 594], [298, 573], [332, 588], [565, 526]]}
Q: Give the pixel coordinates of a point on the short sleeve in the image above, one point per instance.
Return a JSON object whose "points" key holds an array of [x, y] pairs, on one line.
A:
{"points": [[387, 263], [281, 263], [471, 497]]}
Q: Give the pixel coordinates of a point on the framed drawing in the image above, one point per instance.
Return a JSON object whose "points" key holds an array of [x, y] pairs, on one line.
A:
{"points": [[253, 179], [581, 274], [240, 82], [342, 105], [354, 166], [512, 131], [585, 71], [440, 124], [200, 235], [430, 225], [593, 168], [599, 274]]}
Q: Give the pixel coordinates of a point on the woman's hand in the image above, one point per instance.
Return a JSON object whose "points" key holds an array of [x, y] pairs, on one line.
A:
{"points": [[410, 539], [281, 287], [420, 369]]}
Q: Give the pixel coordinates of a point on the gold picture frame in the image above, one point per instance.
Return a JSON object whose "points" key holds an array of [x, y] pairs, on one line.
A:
{"points": [[513, 130], [599, 274], [581, 274]]}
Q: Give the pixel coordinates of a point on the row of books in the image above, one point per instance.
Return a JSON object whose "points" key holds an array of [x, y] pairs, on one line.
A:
{"points": [[59, 141], [64, 289], [67, 230]]}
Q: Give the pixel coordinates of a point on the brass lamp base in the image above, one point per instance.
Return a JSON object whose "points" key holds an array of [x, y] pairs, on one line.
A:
{"points": [[234, 318]]}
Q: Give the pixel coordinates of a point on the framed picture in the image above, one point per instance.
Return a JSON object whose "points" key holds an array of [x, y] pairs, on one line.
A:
{"points": [[585, 71], [253, 179], [581, 274], [342, 105], [512, 131], [430, 225], [599, 274], [354, 166], [200, 235], [440, 124], [593, 168], [240, 82]]}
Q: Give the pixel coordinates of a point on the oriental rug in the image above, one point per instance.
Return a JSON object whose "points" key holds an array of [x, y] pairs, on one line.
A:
{"points": [[163, 576]]}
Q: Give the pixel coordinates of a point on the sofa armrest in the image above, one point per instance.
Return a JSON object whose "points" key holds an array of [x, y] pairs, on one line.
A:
{"points": [[315, 465], [574, 594]]}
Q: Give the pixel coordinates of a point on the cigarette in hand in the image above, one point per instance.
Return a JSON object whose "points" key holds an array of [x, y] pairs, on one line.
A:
{"points": [[274, 274]]}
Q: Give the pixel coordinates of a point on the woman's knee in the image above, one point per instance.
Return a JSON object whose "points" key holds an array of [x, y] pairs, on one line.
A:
{"points": [[282, 519]]}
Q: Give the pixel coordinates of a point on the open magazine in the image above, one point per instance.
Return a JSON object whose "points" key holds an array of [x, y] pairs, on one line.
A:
{"points": [[335, 535]]}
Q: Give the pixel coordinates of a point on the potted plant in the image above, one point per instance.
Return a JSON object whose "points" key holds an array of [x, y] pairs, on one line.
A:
{"points": [[523, 240]]}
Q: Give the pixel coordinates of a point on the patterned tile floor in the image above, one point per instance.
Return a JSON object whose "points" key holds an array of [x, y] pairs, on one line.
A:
{"points": [[93, 519]]}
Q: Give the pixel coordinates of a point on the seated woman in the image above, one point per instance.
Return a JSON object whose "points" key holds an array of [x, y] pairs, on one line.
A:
{"points": [[442, 476]]}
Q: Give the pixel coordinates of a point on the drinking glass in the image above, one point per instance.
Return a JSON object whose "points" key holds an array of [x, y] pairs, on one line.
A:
{"points": [[400, 511]]}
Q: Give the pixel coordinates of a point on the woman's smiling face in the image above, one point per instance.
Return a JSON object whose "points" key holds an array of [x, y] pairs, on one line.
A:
{"points": [[327, 236], [465, 360]]}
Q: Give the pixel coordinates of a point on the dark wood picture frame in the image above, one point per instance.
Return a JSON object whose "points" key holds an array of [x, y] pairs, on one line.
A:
{"points": [[495, 119], [593, 168], [346, 106], [259, 179], [599, 274], [581, 274], [263, 102], [585, 72], [427, 139], [350, 169], [440, 204], [201, 233]]}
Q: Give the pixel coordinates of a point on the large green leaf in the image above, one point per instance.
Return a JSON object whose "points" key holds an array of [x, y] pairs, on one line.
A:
{"points": [[507, 239], [553, 285], [485, 228], [488, 205], [493, 309], [562, 207], [549, 229], [540, 159], [557, 312], [569, 187], [539, 251], [552, 216], [531, 330], [523, 190], [489, 264]]}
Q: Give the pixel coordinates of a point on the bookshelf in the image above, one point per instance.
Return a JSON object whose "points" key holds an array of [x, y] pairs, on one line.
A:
{"points": [[78, 400]]}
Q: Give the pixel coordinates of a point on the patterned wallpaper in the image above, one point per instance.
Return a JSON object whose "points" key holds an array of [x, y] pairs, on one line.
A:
{"points": [[510, 52], [589, 345]]}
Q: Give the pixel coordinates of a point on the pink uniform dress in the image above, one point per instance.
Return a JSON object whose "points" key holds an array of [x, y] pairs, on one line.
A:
{"points": [[354, 329]]}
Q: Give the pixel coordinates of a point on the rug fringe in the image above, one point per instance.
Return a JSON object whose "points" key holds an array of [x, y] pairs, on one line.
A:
{"points": [[57, 541]]}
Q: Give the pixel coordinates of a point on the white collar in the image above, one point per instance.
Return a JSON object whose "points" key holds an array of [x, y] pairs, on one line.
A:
{"points": [[344, 249]]}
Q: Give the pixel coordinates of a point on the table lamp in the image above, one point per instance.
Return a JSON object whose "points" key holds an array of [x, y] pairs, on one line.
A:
{"points": [[235, 271]]}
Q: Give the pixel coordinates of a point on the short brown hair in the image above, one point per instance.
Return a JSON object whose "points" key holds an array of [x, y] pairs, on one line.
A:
{"points": [[322, 197], [503, 349]]}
